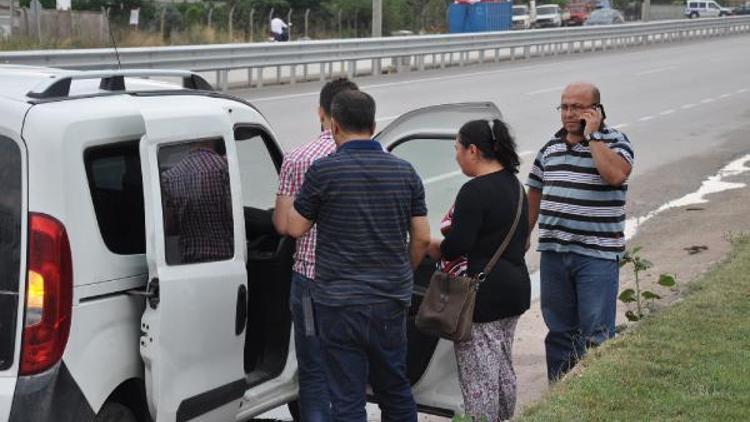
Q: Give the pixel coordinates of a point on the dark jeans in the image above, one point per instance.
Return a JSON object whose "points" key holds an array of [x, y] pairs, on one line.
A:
{"points": [[578, 298], [314, 401], [366, 341]]}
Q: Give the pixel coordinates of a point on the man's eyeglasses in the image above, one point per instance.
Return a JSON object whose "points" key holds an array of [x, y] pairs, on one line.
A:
{"points": [[575, 108]]}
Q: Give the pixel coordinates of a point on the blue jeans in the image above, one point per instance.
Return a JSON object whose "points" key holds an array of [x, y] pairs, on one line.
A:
{"points": [[366, 341], [578, 298], [314, 401]]}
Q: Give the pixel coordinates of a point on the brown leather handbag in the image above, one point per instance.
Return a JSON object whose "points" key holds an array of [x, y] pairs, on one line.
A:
{"points": [[447, 309]]}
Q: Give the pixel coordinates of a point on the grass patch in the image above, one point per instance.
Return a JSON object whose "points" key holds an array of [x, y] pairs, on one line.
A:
{"points": [[689, 362]]}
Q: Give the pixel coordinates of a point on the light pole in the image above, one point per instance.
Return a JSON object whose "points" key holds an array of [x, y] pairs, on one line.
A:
{"points": [[377, 18]]}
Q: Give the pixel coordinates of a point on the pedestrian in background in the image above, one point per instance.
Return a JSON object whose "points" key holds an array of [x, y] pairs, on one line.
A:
{"points": [[577, 189], [481, 218], [364, 201]]}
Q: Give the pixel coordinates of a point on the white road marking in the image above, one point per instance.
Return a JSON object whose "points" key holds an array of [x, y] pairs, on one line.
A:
{"points": [[546, 90], [687, 106], [707, 100], [645, 118], [726, 95], [387, 118], [652, 71], [445, 176], [667, 112], [743, 90], [431, 180], [413, 81], [620, 126]]}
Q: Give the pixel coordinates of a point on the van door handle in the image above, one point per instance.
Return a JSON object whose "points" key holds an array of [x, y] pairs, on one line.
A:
{"points": [[241, 314]]}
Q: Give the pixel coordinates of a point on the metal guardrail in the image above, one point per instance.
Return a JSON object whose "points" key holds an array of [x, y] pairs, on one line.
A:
{"points": [[398, 53]]}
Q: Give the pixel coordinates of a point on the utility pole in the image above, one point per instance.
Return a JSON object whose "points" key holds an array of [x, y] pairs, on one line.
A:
{"points": [[377, 18], [646, 11]]}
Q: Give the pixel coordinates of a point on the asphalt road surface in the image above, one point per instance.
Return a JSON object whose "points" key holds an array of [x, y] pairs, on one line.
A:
{"points": [[685, 108]]}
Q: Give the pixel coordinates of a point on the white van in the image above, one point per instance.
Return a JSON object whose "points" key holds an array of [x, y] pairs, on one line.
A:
{"points": [[100, 319], [705, 9]]}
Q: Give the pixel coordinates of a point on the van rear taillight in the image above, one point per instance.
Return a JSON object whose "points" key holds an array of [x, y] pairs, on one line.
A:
{"points": [[49, 295]]}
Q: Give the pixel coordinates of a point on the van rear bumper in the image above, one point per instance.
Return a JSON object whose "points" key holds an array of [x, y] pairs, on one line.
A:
{"points": [[50, 396]]}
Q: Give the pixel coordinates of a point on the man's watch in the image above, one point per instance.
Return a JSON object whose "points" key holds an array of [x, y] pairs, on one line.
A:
{"points": [[594, 136]]}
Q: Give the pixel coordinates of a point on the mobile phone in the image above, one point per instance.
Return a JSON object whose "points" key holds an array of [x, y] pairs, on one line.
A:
{"points": [[604, 116]]}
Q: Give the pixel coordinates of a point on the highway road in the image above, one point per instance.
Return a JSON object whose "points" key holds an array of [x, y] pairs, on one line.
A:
{"points": [[685, 108], [680, 105]]}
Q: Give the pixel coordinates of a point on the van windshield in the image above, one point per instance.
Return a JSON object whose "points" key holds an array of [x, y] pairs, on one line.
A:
{"points": [[10, 246]]}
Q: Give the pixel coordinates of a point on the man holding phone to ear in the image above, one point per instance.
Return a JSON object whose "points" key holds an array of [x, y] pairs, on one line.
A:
{"points": [[577, 191]]}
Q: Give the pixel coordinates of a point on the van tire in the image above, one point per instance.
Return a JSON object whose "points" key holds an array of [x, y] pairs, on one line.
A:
{"points": [[115, 412], [693, 15]]}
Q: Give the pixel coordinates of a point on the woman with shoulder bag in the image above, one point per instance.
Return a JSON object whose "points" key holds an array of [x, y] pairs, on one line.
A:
{"points": [[482, 217]]}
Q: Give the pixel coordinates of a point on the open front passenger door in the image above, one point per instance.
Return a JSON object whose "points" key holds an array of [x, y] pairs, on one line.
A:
{"points": [[425, 137]]}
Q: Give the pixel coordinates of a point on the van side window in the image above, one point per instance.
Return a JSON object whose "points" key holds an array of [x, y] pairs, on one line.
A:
{"points": [[10, 245], [258, 168], [196, 202], [116, 186]]}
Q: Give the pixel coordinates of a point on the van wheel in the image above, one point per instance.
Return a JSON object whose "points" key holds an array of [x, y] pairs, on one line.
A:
{"points": [[115, 412], [693, 15]]}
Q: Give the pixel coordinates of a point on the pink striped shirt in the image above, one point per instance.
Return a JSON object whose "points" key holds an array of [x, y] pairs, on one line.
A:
{"points": [[292, 175]]}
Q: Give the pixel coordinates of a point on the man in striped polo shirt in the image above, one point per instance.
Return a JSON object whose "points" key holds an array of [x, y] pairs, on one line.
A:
{"points": [[577, 189], [314, 401], [364, 202]]}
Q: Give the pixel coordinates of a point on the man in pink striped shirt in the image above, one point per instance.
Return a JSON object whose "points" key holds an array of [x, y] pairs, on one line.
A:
{"points": [[314, 400]]}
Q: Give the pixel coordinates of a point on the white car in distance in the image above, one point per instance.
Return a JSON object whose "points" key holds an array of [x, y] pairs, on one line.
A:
{"points": [[521, 17]]}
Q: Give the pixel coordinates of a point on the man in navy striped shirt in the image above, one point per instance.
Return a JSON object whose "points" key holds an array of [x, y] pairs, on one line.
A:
{"points": [[577, 189], [364, 201]]}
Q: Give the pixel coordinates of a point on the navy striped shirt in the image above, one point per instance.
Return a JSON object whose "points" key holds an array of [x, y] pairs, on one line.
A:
{"points": [[362, 200], [579, 211]]}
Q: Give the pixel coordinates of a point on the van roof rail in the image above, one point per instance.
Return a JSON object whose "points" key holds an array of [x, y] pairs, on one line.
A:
{"points": [[58, 86]]}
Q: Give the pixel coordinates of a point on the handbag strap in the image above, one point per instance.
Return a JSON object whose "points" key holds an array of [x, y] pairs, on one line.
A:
{"points": [[500, 250]]}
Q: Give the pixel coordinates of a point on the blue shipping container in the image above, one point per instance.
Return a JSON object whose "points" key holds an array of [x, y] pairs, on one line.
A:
{"points": [[480, 17]]}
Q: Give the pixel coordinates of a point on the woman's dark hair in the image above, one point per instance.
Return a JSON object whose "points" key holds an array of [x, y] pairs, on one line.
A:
{"points": [[493, 139]]}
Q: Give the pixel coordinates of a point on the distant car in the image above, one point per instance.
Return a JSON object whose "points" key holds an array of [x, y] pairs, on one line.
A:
{"points": [[578, 13], [604, 17], [548, 15], [742, 10], [705, 9], [521, 17]]}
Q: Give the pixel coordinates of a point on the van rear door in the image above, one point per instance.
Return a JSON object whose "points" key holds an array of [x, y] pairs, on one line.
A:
{"points": [[13, 220], [193, 328]]}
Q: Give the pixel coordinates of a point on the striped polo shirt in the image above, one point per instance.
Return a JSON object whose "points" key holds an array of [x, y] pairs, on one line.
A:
{"points": [[362, 200], [580, 212]]}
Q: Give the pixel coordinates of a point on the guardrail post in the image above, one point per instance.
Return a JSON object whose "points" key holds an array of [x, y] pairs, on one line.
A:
{"points": [[249, 77], [222, 77], [481, 56], [278, 75], [322, 74], [512, 54], [293, 74], [259, 84], [304, 72]]}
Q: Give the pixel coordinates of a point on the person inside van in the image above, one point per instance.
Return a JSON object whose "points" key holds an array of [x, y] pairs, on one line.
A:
{"points": [[197, 204]]}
